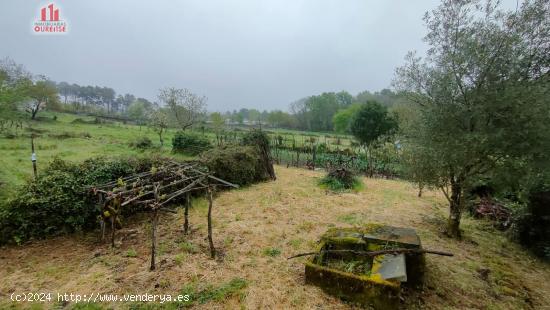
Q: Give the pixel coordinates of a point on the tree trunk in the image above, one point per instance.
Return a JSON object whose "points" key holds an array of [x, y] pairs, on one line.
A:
{"points": [[453, 224], [34, 111]]}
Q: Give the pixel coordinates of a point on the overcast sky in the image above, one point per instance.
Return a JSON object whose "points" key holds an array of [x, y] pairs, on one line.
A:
{"points": [[247, 53]]}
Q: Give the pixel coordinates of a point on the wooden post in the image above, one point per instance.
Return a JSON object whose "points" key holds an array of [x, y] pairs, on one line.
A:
{"points": [[112, 230], [314, 157], [186, 214], [212, 249], [154, 221], [33, 156]]}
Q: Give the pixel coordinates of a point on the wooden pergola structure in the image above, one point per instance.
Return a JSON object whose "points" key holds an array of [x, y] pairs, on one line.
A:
{"points": [[153, 191]]}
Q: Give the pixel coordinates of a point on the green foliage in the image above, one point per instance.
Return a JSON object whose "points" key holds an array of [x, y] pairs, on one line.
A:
{"points": [[371, 122], [137, 110], [479, 101], [189, 143], [341, 179], [256, 138], [57, 201], [342, 119], [131, 253], [273, 252], [241, 165], [222, 292], [188, 247]]}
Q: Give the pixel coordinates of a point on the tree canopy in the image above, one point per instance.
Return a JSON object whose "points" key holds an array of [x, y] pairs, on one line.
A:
{"points": [[481, 91]]}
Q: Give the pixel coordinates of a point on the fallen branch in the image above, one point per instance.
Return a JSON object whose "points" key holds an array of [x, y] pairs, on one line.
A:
{"points": [[375, 253]]}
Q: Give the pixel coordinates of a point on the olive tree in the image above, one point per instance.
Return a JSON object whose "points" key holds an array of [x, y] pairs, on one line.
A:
{"points": [[482, 93]]}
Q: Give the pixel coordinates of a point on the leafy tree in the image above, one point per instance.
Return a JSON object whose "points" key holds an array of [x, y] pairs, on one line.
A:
{"points": [[217, 121], [14, 82], [342, 120], [42, 93], [369, 124], [185, 106], [137, 111], [254, 116], [159, 122], [482, 93]]}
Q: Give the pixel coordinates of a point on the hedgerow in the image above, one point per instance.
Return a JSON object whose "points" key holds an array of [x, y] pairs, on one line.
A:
{"points": [[58, 200], [189, 143]]}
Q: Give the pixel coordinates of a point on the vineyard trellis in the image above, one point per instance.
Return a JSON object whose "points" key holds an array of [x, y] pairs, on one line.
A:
{"points": [[154, 191]]}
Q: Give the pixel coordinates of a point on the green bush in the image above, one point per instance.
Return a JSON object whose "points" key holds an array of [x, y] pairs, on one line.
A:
{"points": [[341, 179], [256, 138], [189, 143], [58, 201], [241, 165], [142, 143]]}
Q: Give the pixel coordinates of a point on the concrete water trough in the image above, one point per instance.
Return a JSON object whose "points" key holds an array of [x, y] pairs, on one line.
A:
{"points": [[341, 269]]}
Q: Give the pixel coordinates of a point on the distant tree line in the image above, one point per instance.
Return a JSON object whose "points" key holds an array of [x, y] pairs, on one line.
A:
{"points": [[329, 111]]}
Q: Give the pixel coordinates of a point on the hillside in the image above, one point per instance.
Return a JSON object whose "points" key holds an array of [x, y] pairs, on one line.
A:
{"points": [[256, 228]]}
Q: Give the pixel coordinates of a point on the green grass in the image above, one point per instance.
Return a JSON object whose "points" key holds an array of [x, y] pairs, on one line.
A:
{"points": [[222, 292], [131, 253], [76, 138], [70, 141], [272, 252]]}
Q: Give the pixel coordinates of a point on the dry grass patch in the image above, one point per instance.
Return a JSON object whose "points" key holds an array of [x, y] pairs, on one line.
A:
{"points": [[257, 227]]}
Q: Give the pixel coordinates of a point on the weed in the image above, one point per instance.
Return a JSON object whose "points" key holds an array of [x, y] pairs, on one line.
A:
{"points": [[188, 247], [272, 252], [131, 253]]}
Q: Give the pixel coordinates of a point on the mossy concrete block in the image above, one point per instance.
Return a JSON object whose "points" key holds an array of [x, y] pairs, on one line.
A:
{"points": [[378, 285], [362, 290]]}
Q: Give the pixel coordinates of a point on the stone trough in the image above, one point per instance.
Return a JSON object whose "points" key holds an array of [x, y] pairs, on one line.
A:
{"points": [[368, 281]]}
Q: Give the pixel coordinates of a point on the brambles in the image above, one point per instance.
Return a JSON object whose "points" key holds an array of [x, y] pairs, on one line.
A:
{"points": [[189, 143], [341, 179], [56, 202], [241, 165]]}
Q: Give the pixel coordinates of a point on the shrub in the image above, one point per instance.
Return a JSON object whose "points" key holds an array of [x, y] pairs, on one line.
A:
{"points": [[260, 140], [189, 143], [341, 179], [57, 201], [531, 223], [142, 143], [241, 165], [255, 138]]}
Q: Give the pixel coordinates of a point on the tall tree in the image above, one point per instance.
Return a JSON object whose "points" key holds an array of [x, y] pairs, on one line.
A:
{"points": [[369, 124], [186, 107], [42, 93], [482, 92]]}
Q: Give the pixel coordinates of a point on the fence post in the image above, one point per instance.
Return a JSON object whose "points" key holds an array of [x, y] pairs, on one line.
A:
{"points": [[33, 156]]}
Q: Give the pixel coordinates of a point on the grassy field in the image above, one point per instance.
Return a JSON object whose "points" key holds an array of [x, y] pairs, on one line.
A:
{"points": [[255, 229], [73, 141], [69, 138]]}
